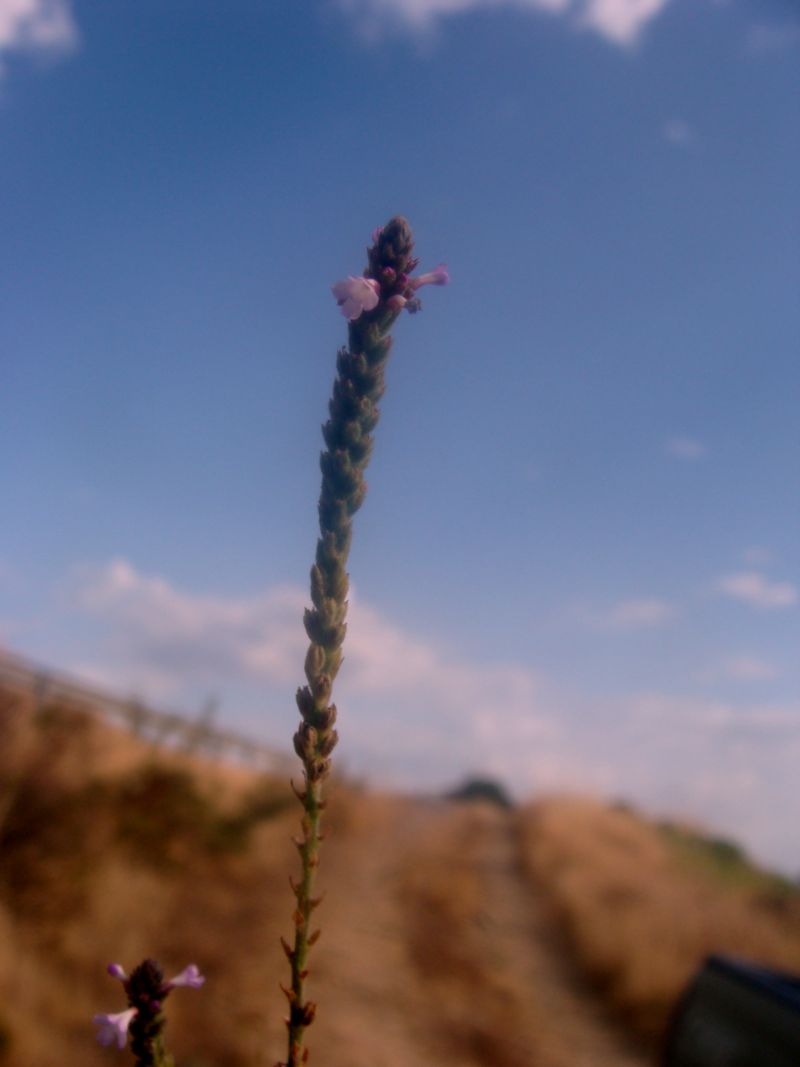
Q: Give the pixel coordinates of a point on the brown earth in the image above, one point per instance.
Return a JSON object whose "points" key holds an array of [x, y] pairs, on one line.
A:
{"points": [[476, 974], [460, 934]]}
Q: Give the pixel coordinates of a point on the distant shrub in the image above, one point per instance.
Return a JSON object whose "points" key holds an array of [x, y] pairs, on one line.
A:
{"points": [[722, 859], [165, 817], [49, 826], [266, 800], [481, 789], [162, 815]]}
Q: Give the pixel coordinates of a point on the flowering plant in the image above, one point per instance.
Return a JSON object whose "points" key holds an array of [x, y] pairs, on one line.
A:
{"points": [[144, 1020], [371, 303]]}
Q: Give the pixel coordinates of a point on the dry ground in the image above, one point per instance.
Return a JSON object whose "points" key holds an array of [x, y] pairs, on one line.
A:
{"points": [[475, 977], [640, 905], [457, 934]]}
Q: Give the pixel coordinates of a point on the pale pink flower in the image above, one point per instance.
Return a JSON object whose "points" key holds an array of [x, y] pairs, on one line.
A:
{"points": [[439, 276], [396, 302], [114, 1028], [355, 295], [190, 976]]}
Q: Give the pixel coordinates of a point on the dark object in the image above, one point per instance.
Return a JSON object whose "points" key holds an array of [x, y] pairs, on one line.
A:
{"points": [[481, 789], [736, 1014]]}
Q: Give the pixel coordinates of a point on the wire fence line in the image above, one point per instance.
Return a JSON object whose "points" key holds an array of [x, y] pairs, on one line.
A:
{"points": [[191, 735]]}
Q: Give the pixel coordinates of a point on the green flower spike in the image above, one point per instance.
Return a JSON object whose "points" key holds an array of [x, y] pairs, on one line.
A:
{"points": [[371, 303]]}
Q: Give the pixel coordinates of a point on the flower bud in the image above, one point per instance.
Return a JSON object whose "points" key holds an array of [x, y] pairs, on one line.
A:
{"points": [[321, 688], [305, 741], [315, 658], [325, 717], [328, 743], [306, 704]]}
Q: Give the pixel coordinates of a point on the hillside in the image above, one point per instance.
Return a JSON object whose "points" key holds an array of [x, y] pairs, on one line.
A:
{"points": [[556, 935]]}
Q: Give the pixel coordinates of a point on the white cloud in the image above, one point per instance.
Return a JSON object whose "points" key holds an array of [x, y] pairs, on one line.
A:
{"points": [[621, 21], [415, 714], [687, 448], [167, 633], [751, 587], [618, 21], [742, 668], [43, 26], [638, 614], [732, 767], [416, 711]]}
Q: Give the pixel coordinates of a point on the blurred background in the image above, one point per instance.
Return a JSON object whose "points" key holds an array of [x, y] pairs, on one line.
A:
{"points": [[577, 568]]}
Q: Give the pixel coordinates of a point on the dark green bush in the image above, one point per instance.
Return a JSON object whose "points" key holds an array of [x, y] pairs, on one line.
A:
{"points": [[482, 789]]}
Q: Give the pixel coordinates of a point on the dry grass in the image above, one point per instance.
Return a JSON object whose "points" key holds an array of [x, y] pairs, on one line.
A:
{"points": [[641, 906], [435, 946], [109, 854], [445, 911]]}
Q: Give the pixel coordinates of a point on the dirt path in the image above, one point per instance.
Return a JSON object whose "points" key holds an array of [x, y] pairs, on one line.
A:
{"points": [[517, 930], [440, 953]]}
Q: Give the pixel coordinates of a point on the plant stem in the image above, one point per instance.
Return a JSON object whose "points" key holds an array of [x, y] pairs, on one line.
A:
{"points": [[348, 435]]}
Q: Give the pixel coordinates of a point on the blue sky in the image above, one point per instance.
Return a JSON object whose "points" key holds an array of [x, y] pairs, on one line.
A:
{"points": [[577, 566]]}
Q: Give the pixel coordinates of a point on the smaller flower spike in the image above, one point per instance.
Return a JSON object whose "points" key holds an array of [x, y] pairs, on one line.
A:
{"points": [[114, 1028], [144, 1020], [355, 295], [190, 976]]}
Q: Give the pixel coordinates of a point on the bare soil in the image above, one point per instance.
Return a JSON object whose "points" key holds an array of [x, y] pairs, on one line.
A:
{"points": [[437, 949]]}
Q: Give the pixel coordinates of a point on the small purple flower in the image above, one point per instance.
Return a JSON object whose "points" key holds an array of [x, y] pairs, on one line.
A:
{"points": [[114, 1028], [116, 970], [190, 976], [355, 295], [439, 276]]}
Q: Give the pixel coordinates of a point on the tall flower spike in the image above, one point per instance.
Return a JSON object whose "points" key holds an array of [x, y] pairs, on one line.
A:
{"points": [[371, 303]]}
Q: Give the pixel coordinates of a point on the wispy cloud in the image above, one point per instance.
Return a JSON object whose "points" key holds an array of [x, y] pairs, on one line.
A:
{"points": [[630, 615], [741, 668], [36, 26], [757, 556], [618, 21], [686, 448], [643, 613], [162, 632], [766, 38], [734, 765], [677, 132], [415, 713], [413, 707], [753, 588]]}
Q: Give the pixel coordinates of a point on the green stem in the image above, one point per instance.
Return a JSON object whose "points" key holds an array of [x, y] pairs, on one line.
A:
{"points": [[348, 434]]}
